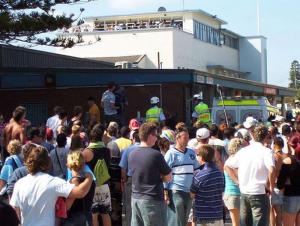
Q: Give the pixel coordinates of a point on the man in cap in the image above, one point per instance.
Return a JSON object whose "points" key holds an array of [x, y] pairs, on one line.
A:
{"points": [[250, 124], [201, 111], [155, 113]]}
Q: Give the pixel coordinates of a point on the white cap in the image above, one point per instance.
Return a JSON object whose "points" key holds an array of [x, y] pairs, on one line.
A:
{"points": [[202, 133], [250, 121], [278, 118], [198, 96], [242, 133], [154, 100]]}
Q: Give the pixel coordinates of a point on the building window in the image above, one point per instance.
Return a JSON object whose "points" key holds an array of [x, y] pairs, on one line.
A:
{"points": [[206, 33], [230, 41]]}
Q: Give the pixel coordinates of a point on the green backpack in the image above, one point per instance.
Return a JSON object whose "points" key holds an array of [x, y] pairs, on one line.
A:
{"points": [[101, 172]]}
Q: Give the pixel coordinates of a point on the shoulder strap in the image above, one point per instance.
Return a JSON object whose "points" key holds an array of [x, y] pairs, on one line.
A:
{"points": [[58, 161]]}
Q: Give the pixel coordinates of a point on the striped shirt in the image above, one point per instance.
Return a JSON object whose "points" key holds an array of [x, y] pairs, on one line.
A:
{"points": [[208, 185], [183, 165]]}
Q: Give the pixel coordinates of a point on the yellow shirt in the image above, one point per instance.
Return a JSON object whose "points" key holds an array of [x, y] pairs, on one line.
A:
{"points": [[94, 111], [123, 143]]}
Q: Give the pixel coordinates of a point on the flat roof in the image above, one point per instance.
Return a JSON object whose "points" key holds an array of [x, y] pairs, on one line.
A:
{"points": [[148, 14]]}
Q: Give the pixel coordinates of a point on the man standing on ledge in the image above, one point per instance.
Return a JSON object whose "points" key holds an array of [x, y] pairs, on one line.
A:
{"points": [[149, 171], [108, 102]]}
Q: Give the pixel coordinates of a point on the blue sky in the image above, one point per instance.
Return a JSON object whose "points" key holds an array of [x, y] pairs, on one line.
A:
{"points": [[279, 22]]}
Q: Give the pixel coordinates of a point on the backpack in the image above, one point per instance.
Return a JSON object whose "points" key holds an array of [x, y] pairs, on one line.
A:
{"points": [[101, 172]]}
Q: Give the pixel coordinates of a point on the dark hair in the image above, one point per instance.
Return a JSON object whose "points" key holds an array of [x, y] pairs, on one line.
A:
{"points": [[135, 136], [229, 132], [260, 133], [61, 140], [110, 85], [112, 131], [26, 149], [278, 141], [38, 160], [214, 130], [62, 114], [125, 131], [35, 131], [77, 110], [163, 145], [179, 128], [57, 110], [18, 113], [96, 134], [92, 99], [286, 129], [76, 143], [207, 153], [146, 129]]}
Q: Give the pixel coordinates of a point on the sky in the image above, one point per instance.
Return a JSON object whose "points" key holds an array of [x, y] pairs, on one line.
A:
{"points": [[279, 23]]}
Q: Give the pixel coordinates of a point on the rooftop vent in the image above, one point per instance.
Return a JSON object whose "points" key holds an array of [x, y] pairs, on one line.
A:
{"points": [[161, 9]]}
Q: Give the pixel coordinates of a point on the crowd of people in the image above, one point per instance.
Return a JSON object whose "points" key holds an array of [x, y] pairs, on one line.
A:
{"points": [[70, 172]]}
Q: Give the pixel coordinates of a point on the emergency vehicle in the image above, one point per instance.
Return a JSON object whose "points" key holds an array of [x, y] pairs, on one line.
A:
{"points": [[239, 108]]}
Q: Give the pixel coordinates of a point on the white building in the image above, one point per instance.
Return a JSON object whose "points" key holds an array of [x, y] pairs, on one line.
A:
{"points": [[190, 39]]}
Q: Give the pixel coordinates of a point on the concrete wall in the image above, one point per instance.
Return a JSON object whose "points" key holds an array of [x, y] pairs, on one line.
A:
{"points": [[128, 43], [195, 54], [253, 57], [176, 47]]}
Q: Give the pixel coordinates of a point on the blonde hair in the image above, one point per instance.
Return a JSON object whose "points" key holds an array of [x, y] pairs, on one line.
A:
{"points": [[14, 147], [75, 129], [75, 161], [235, 145]]}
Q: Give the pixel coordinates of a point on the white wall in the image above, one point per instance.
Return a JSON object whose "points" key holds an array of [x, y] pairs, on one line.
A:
{"points": [[253, 57], [126, 44], [195, 54]]}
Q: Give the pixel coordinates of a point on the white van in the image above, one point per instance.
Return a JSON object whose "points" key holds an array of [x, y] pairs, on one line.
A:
{"points": [[239, 108]]}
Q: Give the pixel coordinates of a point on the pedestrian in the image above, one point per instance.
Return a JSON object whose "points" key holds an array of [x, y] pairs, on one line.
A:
{"points": [[207, 189], [155, 113], [183, 162], [108, 102], [94, 112], [232, 194], [53, 122], [36, 194], [255, 164], [149, 171]]}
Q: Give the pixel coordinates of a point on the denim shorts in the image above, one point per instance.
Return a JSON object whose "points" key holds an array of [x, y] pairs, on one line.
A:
{"points": [[232, 201], [291, 204], [276, 197]]}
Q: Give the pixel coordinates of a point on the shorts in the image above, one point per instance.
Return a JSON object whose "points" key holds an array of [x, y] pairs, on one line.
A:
{"points": [[214, 223], [291, 204], [276, 197], [232, 201], [102, 200]]}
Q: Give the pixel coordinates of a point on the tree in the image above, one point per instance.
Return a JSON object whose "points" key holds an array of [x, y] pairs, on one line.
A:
{"points": [[23, 20], [294, 75]]}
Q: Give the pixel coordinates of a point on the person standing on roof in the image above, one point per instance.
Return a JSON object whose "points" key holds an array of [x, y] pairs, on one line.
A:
{"points": [[201, 111], [155, 113]]}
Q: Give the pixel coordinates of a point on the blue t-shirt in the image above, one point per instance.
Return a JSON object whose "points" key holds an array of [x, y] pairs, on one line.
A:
{"points": [[147, 165], [11, 163], [108, 98], [183, 166], [208, 186], [230, 187], [86, 169], [124, 158]]}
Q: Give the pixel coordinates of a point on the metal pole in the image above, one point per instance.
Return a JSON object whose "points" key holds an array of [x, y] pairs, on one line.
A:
{"points": [[224, 109]]}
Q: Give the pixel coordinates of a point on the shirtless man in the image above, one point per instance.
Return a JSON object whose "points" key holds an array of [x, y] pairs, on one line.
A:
{"points": [[15, 128]]}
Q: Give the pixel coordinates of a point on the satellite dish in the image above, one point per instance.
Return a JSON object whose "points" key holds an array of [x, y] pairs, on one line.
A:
{"points": [[161, 9]]}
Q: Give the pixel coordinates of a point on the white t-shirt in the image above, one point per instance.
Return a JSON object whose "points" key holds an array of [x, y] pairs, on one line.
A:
{"points": [[253, 163], [53, 123], [36, 196], [216, 141], [285, 148]]}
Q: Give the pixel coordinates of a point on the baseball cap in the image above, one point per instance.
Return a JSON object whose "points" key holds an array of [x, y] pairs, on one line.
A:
{"points": [[134, 124], [202, 133], [250, 121], [278, 118], [242, 133]]}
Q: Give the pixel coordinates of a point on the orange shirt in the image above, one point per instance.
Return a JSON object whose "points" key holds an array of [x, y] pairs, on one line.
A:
{"points": [[94, 111]]}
